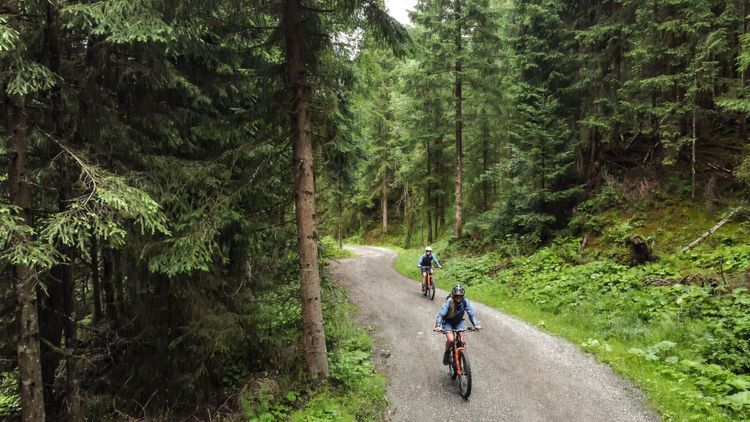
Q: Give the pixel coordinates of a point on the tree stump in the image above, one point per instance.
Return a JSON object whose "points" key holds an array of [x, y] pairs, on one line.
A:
{"points": [[640, 250]]}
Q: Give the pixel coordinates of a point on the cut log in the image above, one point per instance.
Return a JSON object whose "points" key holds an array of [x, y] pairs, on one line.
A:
{"points": [[640, 250], [712, 231]]}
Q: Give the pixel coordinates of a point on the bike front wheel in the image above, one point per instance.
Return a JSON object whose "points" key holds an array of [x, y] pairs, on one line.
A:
{"points": [[464, 381], [431, 292]]}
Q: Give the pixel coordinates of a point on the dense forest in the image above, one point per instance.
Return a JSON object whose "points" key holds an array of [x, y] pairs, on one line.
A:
{"points": [[150, 244], [177, 172]]}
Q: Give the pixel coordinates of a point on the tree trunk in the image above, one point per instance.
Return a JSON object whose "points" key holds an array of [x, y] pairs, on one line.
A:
{"points": [[437, 210], [24, 277], [428, 196], [65, 273], [695, 139], [340, 198], [95, 282], [51, 304], [459, 128], [384, 203], [304, 184], [51, 324], [67, 278], [743, 75], [108, 279], [118, 284], [485, 166], [408, 216]]}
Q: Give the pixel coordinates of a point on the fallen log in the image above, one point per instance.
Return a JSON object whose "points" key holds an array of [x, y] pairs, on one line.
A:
{"points": [[694, 279], [712, 231]]}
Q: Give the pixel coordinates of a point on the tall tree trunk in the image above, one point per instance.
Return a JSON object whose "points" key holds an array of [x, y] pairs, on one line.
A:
{"points": [[384, 202], [30, 387], [340, 200], [51, 324], [65, 273], [459, 127], [304, 184], [408, 215], [67, 278], [120, 301], [95, 282], [108, 279], [24, 276], [437, 211], [743, 75], [428, 196], [695, 140], [485, 166], [51, 299]]}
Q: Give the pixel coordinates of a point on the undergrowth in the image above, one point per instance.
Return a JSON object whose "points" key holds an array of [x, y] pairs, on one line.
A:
{"points": [[352, 392]]}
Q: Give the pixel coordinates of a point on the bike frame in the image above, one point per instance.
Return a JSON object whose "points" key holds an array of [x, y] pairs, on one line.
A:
{"points": [[428, 280], [459, 345]]}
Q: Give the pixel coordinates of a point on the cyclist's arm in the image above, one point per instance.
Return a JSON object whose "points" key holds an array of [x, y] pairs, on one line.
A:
{"points": [[434, 258], [472, 314], [443, 312], [419, 261]]}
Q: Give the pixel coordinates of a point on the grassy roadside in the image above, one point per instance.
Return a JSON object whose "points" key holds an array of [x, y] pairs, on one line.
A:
{"points": [[669, 341], [352, 392]]}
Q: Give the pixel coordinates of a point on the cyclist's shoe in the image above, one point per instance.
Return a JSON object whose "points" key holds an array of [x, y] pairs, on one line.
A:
{"points": [[446, 359], [424, 286]]}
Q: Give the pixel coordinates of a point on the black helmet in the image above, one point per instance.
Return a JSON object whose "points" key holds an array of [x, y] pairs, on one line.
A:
{"points": [[458, 290]]}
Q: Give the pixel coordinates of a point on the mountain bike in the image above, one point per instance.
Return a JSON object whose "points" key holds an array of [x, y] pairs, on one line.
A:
{"points": [[459, 363], [428, 287]]}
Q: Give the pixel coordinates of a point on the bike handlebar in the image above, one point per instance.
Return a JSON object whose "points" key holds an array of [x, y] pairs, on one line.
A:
{"points": [[458, 331]]}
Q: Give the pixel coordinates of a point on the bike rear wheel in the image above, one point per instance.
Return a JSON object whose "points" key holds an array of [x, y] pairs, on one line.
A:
{"points": [[464, 381]]}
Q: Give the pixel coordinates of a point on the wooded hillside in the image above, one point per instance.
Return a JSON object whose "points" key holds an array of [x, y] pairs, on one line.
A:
{"points": [[528, 108]]}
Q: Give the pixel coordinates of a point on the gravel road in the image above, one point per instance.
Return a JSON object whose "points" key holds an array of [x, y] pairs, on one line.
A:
{"points": [[519, 372]]}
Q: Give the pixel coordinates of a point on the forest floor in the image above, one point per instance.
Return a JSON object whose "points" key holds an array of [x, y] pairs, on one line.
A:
{"points": [[520, 372]]}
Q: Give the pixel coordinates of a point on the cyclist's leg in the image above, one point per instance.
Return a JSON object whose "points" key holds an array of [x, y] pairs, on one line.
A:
{"points": [[448, 344], [448, 340], [449, 335], [461, 326]]}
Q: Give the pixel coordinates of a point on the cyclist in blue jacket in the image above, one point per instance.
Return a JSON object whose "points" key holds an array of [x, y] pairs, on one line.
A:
{"points": [[425, 264], [451, 317]]}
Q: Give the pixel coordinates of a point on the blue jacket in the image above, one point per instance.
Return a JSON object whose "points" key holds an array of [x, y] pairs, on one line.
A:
{"points": [[423, 261], [458, 313]]}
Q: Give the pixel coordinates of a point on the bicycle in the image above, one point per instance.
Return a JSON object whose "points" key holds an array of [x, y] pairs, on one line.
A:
{"points": [[428, 286], [459, 363]]}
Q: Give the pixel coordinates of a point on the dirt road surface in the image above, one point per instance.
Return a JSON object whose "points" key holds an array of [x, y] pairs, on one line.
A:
{"points": [[519, 372]]}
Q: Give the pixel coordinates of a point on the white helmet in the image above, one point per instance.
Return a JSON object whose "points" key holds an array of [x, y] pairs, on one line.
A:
{"points": [[428, 249]]}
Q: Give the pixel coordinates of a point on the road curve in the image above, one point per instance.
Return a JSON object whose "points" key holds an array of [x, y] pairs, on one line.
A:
{"points": [[519, 372]]}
